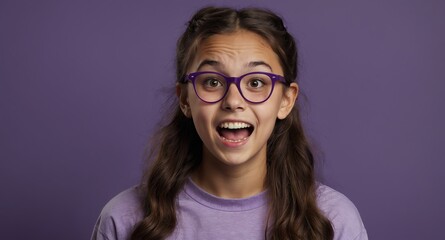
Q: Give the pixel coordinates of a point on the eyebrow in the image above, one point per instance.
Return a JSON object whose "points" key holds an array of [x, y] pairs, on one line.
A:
{"points": [[250, 64], [208, 62], [259, 63]]}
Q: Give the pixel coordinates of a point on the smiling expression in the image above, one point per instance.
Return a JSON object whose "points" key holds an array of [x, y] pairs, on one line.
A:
{"points": [[234, 131]]}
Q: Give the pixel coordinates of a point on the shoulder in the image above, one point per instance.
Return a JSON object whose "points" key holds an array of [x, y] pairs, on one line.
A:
{"points": [[342, 213], [119, 216]]}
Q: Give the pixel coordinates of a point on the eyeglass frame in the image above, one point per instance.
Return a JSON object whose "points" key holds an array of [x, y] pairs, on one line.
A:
{"points": [[191, 77]]}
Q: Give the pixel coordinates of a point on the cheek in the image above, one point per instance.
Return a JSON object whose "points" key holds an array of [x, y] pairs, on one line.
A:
{"points": [[267, 120], [202, 113], [191, 95], [194, 102], [273, 105], [268, 114]]}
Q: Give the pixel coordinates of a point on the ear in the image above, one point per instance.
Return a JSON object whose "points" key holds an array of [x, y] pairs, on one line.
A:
{"points": [[181, 93], [288, 100]]}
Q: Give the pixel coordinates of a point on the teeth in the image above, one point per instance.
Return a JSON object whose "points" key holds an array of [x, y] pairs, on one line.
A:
{"points": [[234, 140], [234, 125]]}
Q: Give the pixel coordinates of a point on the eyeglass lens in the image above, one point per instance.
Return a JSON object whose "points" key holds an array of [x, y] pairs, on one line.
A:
{"points": [[255, 87]]}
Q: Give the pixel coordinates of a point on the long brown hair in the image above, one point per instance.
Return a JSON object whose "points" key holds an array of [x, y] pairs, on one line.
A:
{"points": [[177, 150]]}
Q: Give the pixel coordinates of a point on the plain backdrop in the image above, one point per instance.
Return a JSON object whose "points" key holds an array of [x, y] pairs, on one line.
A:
{"points": [[83, 85]]}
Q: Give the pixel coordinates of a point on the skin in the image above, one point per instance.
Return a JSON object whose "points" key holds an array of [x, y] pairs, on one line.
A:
{"points": [[235, 170]]}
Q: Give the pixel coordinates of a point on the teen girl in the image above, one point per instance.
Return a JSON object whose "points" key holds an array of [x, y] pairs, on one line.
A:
{"points": [[233, 161]]}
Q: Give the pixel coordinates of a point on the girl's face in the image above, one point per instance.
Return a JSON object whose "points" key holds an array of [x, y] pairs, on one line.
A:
{"points": [[234, 131]]}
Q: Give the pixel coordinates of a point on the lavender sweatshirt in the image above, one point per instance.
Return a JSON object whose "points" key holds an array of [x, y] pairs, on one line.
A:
{"points": [[204, 216]]}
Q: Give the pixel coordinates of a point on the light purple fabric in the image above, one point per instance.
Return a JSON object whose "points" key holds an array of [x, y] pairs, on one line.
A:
{"points": [[204, 216]]}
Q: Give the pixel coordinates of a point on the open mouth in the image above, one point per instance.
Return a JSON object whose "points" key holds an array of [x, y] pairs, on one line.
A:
{"points": [[235, 131]]}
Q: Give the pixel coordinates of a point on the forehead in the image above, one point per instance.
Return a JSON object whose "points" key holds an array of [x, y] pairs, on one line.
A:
{"points": [[239, 40], [238, 48]]}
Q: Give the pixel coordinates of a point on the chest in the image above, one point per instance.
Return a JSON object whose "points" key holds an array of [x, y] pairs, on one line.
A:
{"points": [[200, 222]]}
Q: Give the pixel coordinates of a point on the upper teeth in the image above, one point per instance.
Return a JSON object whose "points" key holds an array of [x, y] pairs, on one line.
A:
{"points": [[234, 125]]}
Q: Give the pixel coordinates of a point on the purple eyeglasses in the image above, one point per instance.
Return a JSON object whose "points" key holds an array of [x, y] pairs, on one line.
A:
{"points": [[255, 87]]}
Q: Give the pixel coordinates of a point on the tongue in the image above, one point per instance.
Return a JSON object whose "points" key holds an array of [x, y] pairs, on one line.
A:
{"points": [[234, 134]]}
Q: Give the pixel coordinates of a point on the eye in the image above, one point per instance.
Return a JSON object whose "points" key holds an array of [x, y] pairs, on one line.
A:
{"points": [[212, 82], [255, 83]]}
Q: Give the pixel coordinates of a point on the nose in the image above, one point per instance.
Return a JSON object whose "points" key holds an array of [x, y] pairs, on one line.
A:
{"points": [[233, 101]]}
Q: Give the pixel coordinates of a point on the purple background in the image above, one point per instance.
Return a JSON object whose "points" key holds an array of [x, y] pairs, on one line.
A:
{"points": [[82, 88]]}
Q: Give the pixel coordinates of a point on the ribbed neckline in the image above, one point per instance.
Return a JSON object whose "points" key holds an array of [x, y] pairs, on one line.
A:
{"points": [[224, 204]]}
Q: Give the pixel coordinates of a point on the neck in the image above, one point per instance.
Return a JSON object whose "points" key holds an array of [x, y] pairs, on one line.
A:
{"points": [[226, 181]]}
